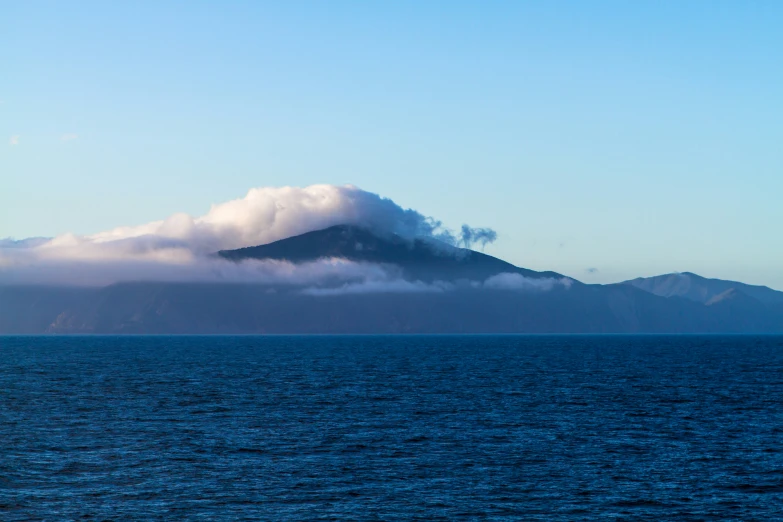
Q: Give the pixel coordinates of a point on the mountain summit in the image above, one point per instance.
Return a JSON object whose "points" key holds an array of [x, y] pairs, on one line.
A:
{"points": [[420, 259], [701, 289]]}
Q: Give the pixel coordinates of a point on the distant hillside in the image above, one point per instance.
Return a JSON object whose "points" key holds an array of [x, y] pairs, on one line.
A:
{"points": [[676, 303], [209, 308], [702, 290]]}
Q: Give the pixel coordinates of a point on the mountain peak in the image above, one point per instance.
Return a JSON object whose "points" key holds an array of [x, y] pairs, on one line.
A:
{"points": [[701, 289], [426, 259]]}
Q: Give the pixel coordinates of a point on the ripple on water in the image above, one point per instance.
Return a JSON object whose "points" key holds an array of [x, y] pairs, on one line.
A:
{"points": [[481, 427]]}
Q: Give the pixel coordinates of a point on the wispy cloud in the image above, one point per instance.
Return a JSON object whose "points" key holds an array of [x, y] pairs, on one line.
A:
{"points": [[19, 265], [392, 286], [512, 281], [69, 136], [397, 285], [264, 215], [179, 247], [14, 140]]}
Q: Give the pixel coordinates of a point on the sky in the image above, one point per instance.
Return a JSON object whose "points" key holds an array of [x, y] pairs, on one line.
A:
{"points": [[601, 140]]}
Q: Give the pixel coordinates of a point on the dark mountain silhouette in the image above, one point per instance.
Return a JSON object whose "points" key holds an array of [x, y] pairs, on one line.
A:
{"points": [[655, 305], [425, 260]]}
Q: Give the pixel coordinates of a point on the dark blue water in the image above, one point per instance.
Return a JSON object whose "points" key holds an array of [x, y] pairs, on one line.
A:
{"points": [[379, 428]]}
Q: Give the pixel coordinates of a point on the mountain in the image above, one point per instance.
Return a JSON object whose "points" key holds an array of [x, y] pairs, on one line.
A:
{"points": [[208, 308], [744, 307], [702, 290], [425, 260], [445, 290]]}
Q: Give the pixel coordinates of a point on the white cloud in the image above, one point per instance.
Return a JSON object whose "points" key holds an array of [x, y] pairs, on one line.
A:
{"points": [[396, 285], [22, 267], [68, 136], [14, 140], [512, 281], [392, 286], [179, 247], [264, 215]]}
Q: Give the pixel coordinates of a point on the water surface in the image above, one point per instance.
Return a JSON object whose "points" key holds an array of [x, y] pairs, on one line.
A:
{"points": [[379, 428]]}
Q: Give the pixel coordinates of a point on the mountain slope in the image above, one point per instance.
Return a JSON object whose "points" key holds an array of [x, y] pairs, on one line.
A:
{"points": [[423, 260], [189, 308], [640, 306], [701, 289]]}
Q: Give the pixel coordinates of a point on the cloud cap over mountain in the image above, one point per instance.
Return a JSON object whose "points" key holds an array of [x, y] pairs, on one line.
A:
{"points": [[264, 215]]}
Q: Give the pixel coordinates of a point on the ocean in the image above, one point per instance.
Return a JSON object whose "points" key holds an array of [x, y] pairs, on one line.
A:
{"points": [[391, 427]]}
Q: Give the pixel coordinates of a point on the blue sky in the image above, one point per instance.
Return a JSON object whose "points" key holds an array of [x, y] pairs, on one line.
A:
{"points": [[632, 138]]}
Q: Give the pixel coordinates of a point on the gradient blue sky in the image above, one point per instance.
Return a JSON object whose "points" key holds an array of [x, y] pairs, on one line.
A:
{"points": [[633, 138]]}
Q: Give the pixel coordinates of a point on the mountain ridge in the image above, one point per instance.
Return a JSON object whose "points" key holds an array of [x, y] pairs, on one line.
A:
{"points": [[422, 259], [527, 302], [701, 289]]}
